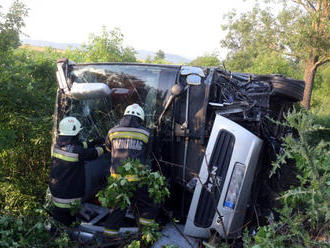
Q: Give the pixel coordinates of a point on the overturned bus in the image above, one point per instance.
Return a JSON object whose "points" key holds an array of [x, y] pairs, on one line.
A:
{"points": [[213, 134]]}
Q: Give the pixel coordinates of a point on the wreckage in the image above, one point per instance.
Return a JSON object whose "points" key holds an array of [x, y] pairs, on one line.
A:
{"points": [[214, 134]]}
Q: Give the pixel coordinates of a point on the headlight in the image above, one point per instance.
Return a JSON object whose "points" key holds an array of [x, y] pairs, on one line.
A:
{"points": [[235, 185]]}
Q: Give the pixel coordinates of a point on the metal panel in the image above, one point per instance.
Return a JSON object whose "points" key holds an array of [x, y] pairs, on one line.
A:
{"points": [[246, 152], [218, 168]]}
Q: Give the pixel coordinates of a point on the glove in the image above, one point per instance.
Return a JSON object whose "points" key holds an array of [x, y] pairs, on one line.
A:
{"points": [[105, 149], [99, 141]]}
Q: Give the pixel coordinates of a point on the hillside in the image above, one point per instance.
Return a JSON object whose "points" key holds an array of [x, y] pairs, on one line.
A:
{"points": [[140, 54]]}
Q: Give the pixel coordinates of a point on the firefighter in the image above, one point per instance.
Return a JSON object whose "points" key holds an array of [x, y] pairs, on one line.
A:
{"points": [[129, 140], [67, 175]]}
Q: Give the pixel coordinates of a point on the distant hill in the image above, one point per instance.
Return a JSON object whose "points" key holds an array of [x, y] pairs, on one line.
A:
{"points": [[140, 54], [56, 45], [177, 59]]}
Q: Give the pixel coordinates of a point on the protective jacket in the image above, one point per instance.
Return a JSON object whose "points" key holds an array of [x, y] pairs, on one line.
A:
{"points": [[127, 140], [67, 175], [130, 140]]}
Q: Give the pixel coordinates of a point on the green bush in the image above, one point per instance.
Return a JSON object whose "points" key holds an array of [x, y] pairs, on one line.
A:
{"points": [[120, 190], [27, 96], [31, 231], [148, 236], [305, 215]]}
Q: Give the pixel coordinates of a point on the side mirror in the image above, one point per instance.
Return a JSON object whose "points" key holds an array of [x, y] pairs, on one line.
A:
{"points": [[188, 70], [194, 79], [194, 74], [82, 91]]}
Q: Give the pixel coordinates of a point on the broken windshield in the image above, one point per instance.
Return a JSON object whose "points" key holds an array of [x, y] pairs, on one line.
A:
{"points": [[147, 85]]}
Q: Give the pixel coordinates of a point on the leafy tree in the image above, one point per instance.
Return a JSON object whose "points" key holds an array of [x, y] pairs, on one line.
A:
{"points": [[10, 26], [160, 55], [106, 47], [206, 60], [149, 59], [272, 63], [299, 32], [158, 59], [321, 99]]}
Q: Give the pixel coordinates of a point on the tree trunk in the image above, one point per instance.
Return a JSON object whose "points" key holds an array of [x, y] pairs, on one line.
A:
{"points": [[309, 75]]}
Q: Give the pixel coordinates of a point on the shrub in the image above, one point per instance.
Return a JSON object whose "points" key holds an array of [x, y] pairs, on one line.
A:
{"points": [[119, 190], [31, 231], [27, 95], [305, 215]]}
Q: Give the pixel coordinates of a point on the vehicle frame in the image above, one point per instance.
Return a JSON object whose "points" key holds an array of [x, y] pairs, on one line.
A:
{"points": [[186, 109]]}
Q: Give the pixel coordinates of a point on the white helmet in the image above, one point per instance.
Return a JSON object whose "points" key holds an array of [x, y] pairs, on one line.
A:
{"points": [[69, 126], [135, 110]]}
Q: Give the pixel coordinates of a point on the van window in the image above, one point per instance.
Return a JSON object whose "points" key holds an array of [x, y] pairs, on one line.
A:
{"points": [[146, 85]]}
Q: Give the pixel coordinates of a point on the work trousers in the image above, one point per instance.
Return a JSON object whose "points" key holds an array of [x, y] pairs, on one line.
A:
{"points": [[144, 208], [63, 215]]}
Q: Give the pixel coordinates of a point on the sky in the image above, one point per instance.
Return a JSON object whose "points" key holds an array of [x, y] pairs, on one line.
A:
{"points": [[188, 28]]}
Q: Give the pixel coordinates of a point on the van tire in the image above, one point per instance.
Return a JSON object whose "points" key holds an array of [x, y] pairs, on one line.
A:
{"points": [[291, 89]]}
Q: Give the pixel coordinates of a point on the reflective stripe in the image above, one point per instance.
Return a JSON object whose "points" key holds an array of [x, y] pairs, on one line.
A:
{"points": [[130, 178], [66, 156], [114, 175], [111, 231], [64, 203], [129, 129], [129, 135], [61, 205], [145, 221], [61, 200], [85, 145], [99, 150]]}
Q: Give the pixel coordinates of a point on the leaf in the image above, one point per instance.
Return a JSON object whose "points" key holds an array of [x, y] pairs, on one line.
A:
{"points": [[127, 166], [123, 182]]}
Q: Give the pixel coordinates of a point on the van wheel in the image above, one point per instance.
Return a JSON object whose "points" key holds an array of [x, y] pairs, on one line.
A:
{"points": [[291, 89]]}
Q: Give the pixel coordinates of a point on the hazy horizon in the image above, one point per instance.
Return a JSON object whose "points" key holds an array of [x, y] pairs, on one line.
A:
{"points": [[187, 28]]}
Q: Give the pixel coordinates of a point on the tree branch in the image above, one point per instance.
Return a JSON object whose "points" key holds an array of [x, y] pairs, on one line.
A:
{"points": [[290, 55], [275, 49], [322, 61], [309, 6]]}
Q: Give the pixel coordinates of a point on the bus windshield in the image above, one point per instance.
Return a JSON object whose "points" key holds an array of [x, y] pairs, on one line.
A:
{"points": [[147, 85]]}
